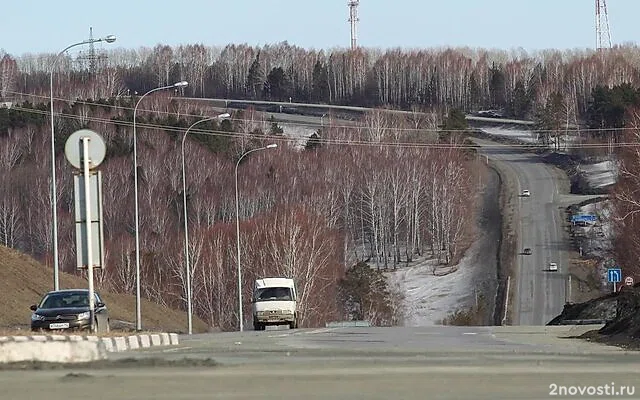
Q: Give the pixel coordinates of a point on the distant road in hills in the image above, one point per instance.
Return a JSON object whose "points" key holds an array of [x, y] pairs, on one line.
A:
{"points": [[320, 109]]}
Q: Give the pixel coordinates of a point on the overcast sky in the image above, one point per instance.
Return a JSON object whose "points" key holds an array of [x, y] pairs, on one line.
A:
{"points": [[49, 26]]}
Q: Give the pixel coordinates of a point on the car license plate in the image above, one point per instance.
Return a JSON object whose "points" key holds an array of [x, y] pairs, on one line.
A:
{"points": [[59, 325]]}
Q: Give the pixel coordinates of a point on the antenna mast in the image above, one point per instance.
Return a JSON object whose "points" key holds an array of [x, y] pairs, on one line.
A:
{"points": [[603, 34], [353, 19]]}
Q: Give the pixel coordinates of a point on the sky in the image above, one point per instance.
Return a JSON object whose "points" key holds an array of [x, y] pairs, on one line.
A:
{"points": [[50, 26]]}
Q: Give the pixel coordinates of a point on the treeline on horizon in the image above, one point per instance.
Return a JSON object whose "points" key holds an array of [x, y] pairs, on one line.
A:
{"points": [[520, 84]]}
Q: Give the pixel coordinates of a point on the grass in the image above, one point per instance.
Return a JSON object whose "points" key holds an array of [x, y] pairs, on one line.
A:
{"points": [[23, 281]]}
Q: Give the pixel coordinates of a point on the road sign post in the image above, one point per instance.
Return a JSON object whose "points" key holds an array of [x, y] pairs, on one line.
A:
{"points": [[614, 275], [85, 150]]}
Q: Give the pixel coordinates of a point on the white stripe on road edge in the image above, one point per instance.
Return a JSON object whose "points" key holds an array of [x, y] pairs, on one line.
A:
{"points": [[176, 349], [321, 330]]}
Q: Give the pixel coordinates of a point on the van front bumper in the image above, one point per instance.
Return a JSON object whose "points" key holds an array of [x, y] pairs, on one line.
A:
{"points": [[267, 317]]}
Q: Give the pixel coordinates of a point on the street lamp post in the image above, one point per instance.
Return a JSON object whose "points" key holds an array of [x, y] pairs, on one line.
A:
{"points": [[186, 231], [271, 146], [135, 189], [54, 202]]}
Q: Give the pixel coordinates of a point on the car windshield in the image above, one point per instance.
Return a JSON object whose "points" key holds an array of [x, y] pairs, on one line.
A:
{"points": [[64, 300], [273, 293]]}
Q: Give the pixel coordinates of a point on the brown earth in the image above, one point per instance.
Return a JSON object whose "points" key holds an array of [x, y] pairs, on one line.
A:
{"points": [[23, 281]]}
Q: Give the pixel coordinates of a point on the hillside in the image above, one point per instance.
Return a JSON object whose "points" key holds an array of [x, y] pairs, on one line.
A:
{"points": [[23, 281]]}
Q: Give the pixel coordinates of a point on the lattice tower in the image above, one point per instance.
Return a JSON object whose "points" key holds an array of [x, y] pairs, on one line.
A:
{"points": [[353, 19], [603, 34]]}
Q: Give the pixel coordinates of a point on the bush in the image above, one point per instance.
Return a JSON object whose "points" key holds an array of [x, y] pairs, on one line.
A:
{"points": [[471, 316], [364, 295]]}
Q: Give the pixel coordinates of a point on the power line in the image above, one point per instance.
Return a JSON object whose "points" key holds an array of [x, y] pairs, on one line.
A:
{"points": [[341, 142], [359, 126], [356, 127]]}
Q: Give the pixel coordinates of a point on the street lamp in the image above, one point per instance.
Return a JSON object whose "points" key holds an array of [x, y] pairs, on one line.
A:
{"points": [[271, 146], [186, 231], [135, 189], [54, 202]]}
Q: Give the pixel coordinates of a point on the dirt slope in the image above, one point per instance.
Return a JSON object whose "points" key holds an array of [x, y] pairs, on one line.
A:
{"points": [[23, 281], [620, 311]]}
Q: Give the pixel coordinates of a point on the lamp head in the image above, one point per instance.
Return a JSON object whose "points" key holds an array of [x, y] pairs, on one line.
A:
{"points": [[271, 146], [181, 84], [225, 115], [110, 39]]}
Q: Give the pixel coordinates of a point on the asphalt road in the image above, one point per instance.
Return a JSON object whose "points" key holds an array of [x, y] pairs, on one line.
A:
{"points": [[540, 225], [344, 363]]}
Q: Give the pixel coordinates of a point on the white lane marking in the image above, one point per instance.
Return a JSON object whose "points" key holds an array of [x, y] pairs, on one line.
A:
{"points": [[176, 349], [470, 333]]}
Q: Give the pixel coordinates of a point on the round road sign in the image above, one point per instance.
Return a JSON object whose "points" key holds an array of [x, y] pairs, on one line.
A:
{"points": [[628, 281], [73, 145]]}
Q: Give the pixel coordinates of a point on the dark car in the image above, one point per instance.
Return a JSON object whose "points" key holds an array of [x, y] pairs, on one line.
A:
{"points": [[69, 310], [527, 251]]}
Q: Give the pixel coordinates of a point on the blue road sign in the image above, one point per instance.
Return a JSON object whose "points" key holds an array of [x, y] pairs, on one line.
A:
{"points": [[614, 275], [584, 218]]}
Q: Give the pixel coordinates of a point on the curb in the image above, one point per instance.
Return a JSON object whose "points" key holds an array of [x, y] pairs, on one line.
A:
{"points": [[134, 342], [76, 348]]}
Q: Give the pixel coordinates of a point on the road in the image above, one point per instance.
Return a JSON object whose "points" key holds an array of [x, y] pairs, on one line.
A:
{"points": [[322, 108], [504, 362], [539, 224]]}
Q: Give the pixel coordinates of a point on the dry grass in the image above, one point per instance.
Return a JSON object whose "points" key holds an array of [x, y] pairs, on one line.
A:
{"points": [[23, 281], [471, 316]]}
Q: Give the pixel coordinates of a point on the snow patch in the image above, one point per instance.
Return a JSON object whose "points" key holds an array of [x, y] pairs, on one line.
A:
{"points": [[600, 175], [298, 133], [430, 298]]}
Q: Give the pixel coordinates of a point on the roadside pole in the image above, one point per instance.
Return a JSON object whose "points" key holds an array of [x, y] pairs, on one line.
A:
{"points": [[87, 193], [506, 301], [86, 150]]}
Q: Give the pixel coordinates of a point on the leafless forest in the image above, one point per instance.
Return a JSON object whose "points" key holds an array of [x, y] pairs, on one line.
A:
{"points": [[385, 193], [467, 79]]}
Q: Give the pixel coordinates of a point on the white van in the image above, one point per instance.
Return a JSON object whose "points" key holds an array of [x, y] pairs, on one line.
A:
{"points": [[274, 303]]}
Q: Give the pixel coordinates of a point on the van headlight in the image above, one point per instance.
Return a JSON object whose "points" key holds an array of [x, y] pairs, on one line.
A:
{"points": [[37, 317], [84, 315]]}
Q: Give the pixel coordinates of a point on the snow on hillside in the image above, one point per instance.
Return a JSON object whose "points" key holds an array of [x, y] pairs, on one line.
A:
{"points": [[430, 298], [601, 174], [597, 239], [299, 133], [515, 134]]}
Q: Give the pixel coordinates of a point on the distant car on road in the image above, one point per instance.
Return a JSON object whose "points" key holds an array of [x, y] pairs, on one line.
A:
{"points": [[553, 266], [526, 251], [526, 193], [68, 310]]}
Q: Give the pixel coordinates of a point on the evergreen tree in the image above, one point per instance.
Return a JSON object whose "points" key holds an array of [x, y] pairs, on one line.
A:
{"points": [[255, 78], [320, 84]]}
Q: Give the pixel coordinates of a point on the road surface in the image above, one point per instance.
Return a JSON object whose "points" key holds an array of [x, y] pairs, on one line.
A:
{"points": [[344, 363], [539, 224], [321, 108]]}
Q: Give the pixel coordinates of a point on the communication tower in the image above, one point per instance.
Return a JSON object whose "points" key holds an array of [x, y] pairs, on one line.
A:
{"points": [[603, 35], [353, 19]]}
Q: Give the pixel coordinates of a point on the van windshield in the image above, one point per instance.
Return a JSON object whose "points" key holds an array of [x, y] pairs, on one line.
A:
{"points": [[274, 294]]}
